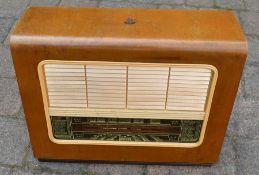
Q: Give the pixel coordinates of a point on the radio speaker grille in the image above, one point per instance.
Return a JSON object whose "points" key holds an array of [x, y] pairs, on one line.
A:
{"points": [[127, 87]]}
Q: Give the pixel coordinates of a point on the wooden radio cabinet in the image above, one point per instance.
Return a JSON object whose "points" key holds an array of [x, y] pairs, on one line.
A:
{"points": [[130, 85]]}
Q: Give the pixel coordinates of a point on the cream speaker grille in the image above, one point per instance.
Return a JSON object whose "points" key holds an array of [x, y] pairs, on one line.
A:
{"points": [[188, 88], [66, 85], [106, 86], [127, 103]]}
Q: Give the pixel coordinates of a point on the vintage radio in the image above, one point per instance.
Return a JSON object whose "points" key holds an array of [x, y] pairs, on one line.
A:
{"points": [[129, 85]]}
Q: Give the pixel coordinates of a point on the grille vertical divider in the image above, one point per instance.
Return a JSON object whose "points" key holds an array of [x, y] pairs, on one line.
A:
{"points": [[168, 83], [127, 75], [86, 91]]}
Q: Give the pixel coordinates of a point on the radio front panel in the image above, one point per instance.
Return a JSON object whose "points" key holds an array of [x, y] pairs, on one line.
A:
{"points": [[124, 103]]}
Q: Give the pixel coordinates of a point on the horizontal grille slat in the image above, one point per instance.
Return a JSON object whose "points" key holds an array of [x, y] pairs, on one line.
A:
{"points": [[103, 102], [162, 85], [150, 81], [192, 74], [185, 104], [72, 90], [106, 91], [101, 79], [118, 95], [185, 97], [186, 93], [62, 93], [97, 71], [62, 82], [186, 89], [64, 74], [73, 101], [150, 95], [148, 92], [184, 108], [144, 73], [104, 88], [105, 83], [105, 67], [63, 78], [105, 75], [191, 82], [149, 99], [67, 97], [66, 86], [146, 107], [144, 88], [72, 70], [190, 86], [146, 103], [68, 66], [147, 76], [190, 69], [107, 105], [69, 105], [189, 101], [178, 77]]}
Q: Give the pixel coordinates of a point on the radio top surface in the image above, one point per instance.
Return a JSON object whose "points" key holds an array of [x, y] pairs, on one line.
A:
{"points": [[194, 29]]}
